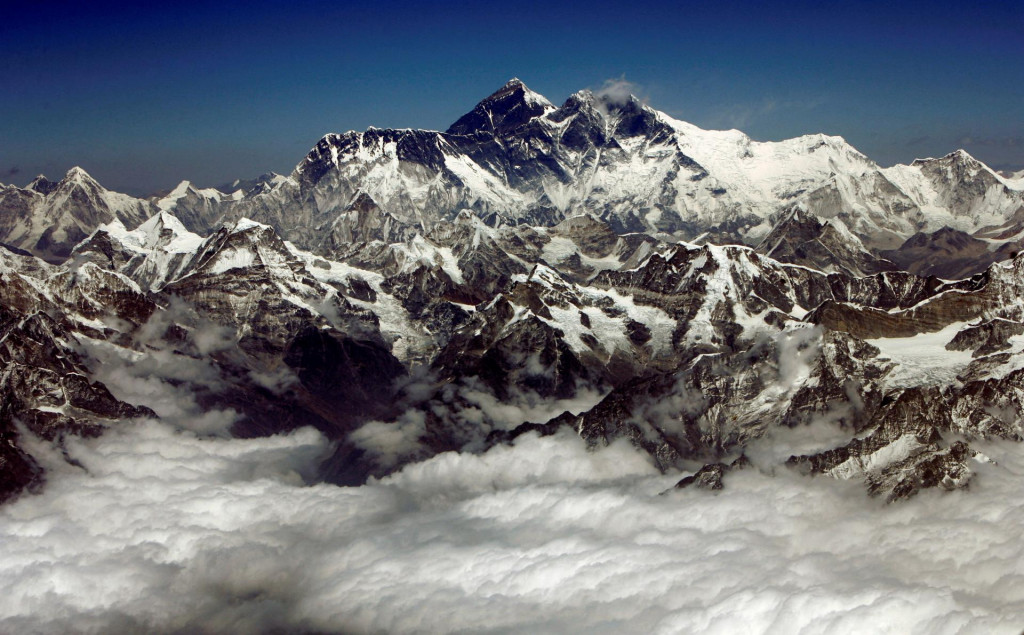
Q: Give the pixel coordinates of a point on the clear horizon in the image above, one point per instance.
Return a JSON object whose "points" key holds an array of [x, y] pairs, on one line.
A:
{"points": [[143, 98]]}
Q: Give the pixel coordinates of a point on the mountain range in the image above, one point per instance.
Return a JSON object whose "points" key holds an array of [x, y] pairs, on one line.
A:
{"points": [[597, 265]]}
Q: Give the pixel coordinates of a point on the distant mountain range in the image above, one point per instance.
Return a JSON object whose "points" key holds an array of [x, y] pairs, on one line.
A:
{"points": [[597, 265]]}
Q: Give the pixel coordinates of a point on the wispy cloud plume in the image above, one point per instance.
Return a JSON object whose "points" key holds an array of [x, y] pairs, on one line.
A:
{"points": [[617, 91], [742, 115]]}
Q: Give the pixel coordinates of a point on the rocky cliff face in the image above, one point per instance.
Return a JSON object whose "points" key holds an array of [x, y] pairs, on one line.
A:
{"points": [[46, 390]]}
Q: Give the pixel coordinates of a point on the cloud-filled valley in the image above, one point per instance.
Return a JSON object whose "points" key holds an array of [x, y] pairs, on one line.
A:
{"points": [[163, 531]]}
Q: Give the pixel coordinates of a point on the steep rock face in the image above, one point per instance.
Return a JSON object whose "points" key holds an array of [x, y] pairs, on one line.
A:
{"points": [[42, 185], [986, 338], [361, 223], [995, 293], [961, 183], [513, 105], [888, 290], [716, 405], [280, 319], [802, 239], [45, 390], [405, 172]]}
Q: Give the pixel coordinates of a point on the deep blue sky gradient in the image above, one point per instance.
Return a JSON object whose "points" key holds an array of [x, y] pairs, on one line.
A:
{"points": [[142, 97]]}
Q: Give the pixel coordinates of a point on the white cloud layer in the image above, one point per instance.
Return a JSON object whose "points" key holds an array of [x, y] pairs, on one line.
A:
{"points": [[170, 532]]}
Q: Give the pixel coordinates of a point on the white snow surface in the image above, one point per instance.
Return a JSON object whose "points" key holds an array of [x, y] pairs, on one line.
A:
{"points": [[183, 189], [163, 245], [410, 341], [922, 360]]}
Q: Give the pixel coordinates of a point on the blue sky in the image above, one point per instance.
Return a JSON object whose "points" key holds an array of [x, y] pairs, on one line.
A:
{"points": [[142, 97]]}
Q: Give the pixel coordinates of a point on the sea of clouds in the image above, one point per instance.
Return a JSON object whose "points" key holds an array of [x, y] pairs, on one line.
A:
{"points": [[161, 530]]}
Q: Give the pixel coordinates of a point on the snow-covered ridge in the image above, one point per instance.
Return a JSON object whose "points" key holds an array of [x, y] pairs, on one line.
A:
{"points": [[168, 203], [516, 158], [632, 166]]}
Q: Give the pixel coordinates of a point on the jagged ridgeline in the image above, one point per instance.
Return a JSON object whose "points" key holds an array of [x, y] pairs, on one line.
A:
{"points": [[596, 265]]}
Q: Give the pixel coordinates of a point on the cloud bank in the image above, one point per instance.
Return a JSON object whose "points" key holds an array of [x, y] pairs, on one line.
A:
{"points": [[166, 531]]}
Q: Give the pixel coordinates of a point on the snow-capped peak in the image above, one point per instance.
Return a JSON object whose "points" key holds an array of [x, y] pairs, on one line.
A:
{"points": [[41, 184], [516, 84], [512, 105], [180, 191], [246, 224], [959, 156], [158, 223], [78, 175]]}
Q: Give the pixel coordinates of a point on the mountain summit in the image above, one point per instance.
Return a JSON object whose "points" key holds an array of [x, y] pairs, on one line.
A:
{"points": [[509, 107]]}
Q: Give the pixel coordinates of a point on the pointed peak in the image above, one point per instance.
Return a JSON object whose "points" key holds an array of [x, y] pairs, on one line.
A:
{"points": [[171, 222], [956, 156], [960, 155], [77, 173], [581, 100], [509, 107], [163, 219], [41, 184], [169, 200], [515, 86], [78, 176]]}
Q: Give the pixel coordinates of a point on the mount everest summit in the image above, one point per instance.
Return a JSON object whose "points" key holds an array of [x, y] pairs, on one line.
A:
{"points": [[517, 159], [597, 266]]}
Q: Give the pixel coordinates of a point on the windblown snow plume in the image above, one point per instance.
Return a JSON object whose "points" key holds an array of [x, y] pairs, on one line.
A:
{"points": [[617, 91], [163, 531]]}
